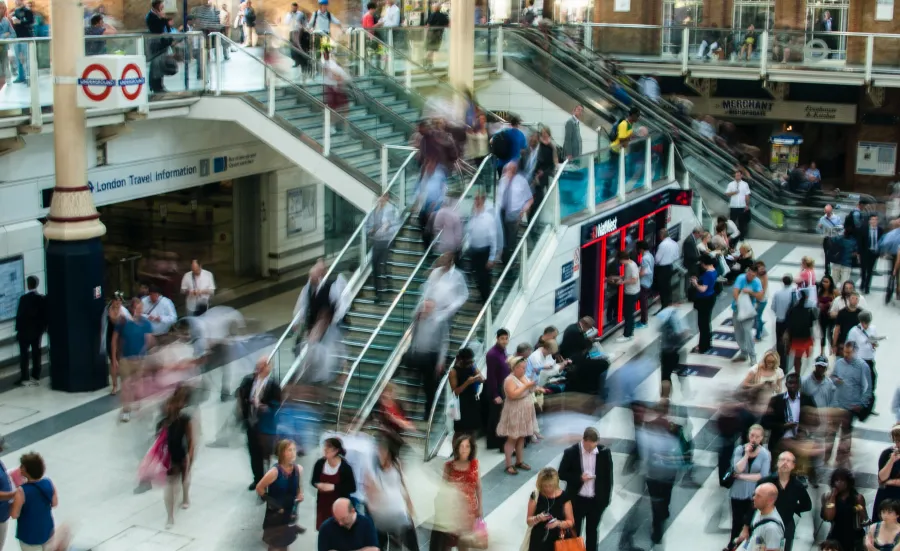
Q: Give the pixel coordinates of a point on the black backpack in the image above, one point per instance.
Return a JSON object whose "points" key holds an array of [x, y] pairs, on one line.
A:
{"points": [[613, 133], [501, 145], [799, 318]]}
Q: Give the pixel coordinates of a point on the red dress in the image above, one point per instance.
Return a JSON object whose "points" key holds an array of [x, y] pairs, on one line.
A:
{"points": [[325, 500], [467, 483]]}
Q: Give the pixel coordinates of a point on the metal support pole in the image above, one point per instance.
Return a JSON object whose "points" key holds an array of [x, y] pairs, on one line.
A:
{"points": [[686, 181], [698, 209], [621, 172], [204, 54], [523, 264], [384, 167], [390, 53], [220, 63], [34, 75], [270, 82], [648, 163], [763, 54], [139, 49], [592, 187], [326, 132], [361, 39], [557, 209], [402, 191], [870, 55], [363, 251], [499, 49], [408, 76], [670, 170], [488, 321], [685, 49], [588, 37]]}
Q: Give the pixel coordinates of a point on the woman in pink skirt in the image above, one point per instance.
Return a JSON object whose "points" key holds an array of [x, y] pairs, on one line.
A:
{"points": [[517, 420]]}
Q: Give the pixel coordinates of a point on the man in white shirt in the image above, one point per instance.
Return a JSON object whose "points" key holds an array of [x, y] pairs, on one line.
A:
{"points": [[667, 253], [866, 338], [447, 287], [738, 192], [631, 290], [159, 310], [391, 16], [484, 234], [381, 226], [830, 226], [650, 88], [295, 21], [198, 285], [515, 200]]}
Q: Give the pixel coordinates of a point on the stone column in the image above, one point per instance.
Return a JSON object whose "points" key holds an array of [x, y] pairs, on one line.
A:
{"points": [[462, 44], [75, 264]]}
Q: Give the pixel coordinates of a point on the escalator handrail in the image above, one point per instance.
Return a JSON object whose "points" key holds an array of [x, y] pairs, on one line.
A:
{"points": [[440, 81], [298, 361], [335, 116], [392, 362], [487, 304]]}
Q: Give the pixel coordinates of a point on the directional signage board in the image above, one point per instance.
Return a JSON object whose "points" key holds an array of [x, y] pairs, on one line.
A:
{"points": [[112, 81]]}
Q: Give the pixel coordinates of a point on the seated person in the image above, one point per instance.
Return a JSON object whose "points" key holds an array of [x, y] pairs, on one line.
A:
{"points": [[585, 371], [739, 264]]}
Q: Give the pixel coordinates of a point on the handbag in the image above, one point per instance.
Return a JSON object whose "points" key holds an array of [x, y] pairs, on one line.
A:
{"points": [[155, 466], [453, 409], [572, 543], [478, 537]]}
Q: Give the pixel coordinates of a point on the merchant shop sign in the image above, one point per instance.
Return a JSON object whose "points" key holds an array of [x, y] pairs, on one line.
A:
{"points": [[738, 108]]}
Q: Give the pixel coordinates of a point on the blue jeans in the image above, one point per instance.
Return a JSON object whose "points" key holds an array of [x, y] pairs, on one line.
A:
{"points": [[21, 51], [760, 308]]}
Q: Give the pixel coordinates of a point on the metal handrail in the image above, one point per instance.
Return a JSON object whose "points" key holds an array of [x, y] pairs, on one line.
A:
{"points": [[357, 132], [398, 54], [102, 37], [381, 323], [487, 304], [719, 29], [337, 260]]}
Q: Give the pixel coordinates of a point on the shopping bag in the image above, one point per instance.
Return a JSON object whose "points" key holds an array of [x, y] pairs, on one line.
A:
{"points": [[453, 411], [570, 543], [155, 465], [478, 537], [745, 308]]}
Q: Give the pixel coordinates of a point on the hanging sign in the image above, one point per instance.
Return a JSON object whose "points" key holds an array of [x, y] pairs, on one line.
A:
{"points": [[112, 81]]}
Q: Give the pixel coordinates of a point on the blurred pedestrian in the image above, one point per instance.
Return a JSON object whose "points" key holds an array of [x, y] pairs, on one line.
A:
{"points": [[888, 473], [132, 343], [749, 463], [462, 472], [181, 444], [389, 502], [853, 379], [485, 235], [381, 225], [587, 469], [515, 199], [259, 397]]}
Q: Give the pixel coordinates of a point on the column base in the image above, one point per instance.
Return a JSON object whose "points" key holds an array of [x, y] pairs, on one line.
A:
{"points": [[75, 304]]}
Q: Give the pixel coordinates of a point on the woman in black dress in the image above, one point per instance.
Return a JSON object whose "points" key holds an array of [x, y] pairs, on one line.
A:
{"points": [[549, 512], [845, 509], [464, 381], [888, 472], [180, 439]]}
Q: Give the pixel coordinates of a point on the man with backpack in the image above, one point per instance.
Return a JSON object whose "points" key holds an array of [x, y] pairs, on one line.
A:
{"points": [[507, 145], [620, 136], [766, 531], [320, 25], [799, 334]]}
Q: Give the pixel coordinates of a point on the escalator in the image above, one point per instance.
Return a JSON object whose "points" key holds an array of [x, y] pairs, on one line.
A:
{"points": [[532, 56]]}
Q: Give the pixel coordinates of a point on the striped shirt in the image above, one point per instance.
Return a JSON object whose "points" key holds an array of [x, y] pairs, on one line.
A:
{"points": [[206, 18]]}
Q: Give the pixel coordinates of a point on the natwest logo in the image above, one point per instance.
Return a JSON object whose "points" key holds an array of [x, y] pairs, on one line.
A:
{"points": [[605, 227]]}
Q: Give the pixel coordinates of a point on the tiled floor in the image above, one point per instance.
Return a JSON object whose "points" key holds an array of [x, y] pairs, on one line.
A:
{"points": [[93, 463]]}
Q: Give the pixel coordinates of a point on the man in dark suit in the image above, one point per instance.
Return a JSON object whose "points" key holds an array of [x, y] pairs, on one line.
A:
{"points": [[869, 252], [587, 469], [690, 252], [258, 399], [572, 138], [31, 323], [786, 412]]}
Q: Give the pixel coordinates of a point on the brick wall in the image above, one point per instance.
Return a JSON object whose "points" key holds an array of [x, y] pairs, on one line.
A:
{"points": [[862, 19], [718, 13], [875, 185], [628, 41]]}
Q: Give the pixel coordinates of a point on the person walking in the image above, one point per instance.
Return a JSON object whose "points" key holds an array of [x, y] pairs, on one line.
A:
{"points": [[829, 226], [180, 441], [705, 300], [485, 235], [587, 470], [549, 512], [515, 199], [767, 530], [747, 291], [388, 500], [792, 497], [32, 508], [853, 379], [281, 490], [631, 290], [381, 225], [518, 420], [826, 292], [869, 253], [749, 463], [333, 477], [31, 324], [259, 397], [461, 471], [427, 349], [133, 340]]}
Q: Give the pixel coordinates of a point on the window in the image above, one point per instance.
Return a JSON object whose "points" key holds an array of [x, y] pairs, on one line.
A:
{"points": [[759, 13], [676, 15], [824, 18]]}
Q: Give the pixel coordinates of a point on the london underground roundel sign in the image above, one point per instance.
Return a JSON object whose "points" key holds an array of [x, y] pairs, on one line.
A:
{"points": [[132, 82], [96, 77]]}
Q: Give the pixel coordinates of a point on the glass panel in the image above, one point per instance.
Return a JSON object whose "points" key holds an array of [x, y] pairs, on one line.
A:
{"points": [[15, 73], [574, 186], [659, 157], [486, 45], [635, 164], [606, 181], [824, 19], [179, 54]]}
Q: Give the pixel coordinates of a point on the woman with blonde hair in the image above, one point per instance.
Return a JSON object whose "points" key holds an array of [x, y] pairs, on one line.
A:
{"points": [[518, 420], [807, 275], [767, 375], [549, 512], [280, 488]]}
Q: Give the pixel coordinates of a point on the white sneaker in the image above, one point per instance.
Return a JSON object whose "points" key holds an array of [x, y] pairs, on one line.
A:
{"points": [[624, 339], [125, 417], [30, 383]]}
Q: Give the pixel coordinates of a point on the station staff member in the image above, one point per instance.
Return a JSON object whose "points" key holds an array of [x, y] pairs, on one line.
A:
{"points": [[198, 285], [666, 254], [738, 192], [159, 310]]}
